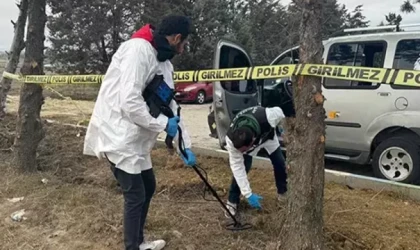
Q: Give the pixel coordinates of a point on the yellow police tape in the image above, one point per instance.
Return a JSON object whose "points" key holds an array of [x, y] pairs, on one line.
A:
{"points": [[56, 79], [364, 74]]}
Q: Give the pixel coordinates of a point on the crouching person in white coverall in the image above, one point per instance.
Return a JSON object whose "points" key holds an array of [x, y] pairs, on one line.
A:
{"points": [[123, 131], [250, 131]]}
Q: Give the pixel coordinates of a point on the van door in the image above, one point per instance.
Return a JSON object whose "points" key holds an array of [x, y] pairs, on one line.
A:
{"points": [[279, 92], [230, 97], [288, 57], [352, 105]]}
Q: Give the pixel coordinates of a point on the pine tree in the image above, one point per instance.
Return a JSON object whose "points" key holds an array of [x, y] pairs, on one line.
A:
{"points": [[393, 19], [408, 6], [85, 34], [356, 19]]}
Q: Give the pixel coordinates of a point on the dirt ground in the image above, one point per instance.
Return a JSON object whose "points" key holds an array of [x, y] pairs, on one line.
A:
{"points": [[73, 202]]}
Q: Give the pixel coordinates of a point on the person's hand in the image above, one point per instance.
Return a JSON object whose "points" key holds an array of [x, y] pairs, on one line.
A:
{"points": [[190, 160], [254, 201], [172, 126]]}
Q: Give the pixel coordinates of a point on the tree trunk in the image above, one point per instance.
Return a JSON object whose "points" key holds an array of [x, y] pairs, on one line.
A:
{"points": [[116, 19], [14, 54], [29, 130], [303, 228]]}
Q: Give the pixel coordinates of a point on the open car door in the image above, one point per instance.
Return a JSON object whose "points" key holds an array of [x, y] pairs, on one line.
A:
{"points": [[231, 97]]}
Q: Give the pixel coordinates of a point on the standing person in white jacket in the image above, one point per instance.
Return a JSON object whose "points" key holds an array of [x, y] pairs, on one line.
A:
{"points": [[121, 128], [250, 131]]}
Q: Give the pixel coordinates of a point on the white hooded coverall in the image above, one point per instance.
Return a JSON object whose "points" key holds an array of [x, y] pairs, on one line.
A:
{"points": [[121, 126]]}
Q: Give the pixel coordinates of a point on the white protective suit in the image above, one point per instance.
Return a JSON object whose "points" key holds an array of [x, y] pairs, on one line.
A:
{"points": [[236, 158], [121, 126]]}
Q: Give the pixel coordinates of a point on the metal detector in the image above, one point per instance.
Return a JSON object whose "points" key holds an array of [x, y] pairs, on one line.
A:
{"points": [[235, 225]]}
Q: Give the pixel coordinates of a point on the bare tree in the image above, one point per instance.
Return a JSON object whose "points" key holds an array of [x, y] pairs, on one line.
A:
{"points": [[18, 45], [29, 130], [303, 227]]}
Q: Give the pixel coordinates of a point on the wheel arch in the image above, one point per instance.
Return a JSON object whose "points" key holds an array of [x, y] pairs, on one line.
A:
{"points": [[201, 90], [392, 132]]}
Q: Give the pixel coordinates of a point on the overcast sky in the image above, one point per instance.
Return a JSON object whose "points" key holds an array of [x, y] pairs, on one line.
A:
{"points": [[374, 10]]}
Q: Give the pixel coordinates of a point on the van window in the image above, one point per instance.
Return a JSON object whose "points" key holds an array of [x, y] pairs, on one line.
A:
{"points": [[407, 56], [363, 54], [233, 58]]}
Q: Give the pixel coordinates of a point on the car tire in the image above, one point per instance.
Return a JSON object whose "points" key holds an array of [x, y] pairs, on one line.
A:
{"points": [[201, 97], [397, 159]]}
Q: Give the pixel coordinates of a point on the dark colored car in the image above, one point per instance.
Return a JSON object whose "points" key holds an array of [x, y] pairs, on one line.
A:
{"points": [[198, 92]]}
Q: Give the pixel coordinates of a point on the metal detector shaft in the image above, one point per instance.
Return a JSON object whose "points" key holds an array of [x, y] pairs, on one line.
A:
{"points": [[168, 142], [214, 194]]}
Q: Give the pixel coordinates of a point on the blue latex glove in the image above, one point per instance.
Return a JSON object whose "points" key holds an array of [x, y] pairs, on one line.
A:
{"points": [[172, 126], [190, 161], [254, 201]]}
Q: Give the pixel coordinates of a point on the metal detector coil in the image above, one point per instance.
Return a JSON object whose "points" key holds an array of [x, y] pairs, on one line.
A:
{"points": [[236, 225]]}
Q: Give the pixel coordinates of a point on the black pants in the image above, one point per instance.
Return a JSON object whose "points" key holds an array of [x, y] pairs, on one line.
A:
{"points": [[138, 190], [280, 175]]}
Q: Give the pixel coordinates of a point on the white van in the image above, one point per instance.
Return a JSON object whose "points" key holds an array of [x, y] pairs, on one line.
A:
{"points": [[367, 122]]}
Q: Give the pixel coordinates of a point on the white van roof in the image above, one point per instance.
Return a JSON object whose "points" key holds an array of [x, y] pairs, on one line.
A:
{"points": [[377, 36]]}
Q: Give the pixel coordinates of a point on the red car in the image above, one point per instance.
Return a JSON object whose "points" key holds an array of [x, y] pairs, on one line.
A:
{"points": [[199, 92]]}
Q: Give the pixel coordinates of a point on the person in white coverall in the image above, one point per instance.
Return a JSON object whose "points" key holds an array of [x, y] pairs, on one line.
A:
{"points": [[250, 131], [121, 128]]}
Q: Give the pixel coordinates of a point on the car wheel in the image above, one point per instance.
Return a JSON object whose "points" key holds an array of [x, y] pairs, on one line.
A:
{"points": [[201, 97], [397, 159]]}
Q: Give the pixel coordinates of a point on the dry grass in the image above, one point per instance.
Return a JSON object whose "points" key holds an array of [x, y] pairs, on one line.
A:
{"points": [[81, 206], [86, 92], [67, 110]]}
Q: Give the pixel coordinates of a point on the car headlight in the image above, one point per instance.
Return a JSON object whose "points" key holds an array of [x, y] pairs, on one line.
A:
{"points": [[187, 89]]}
